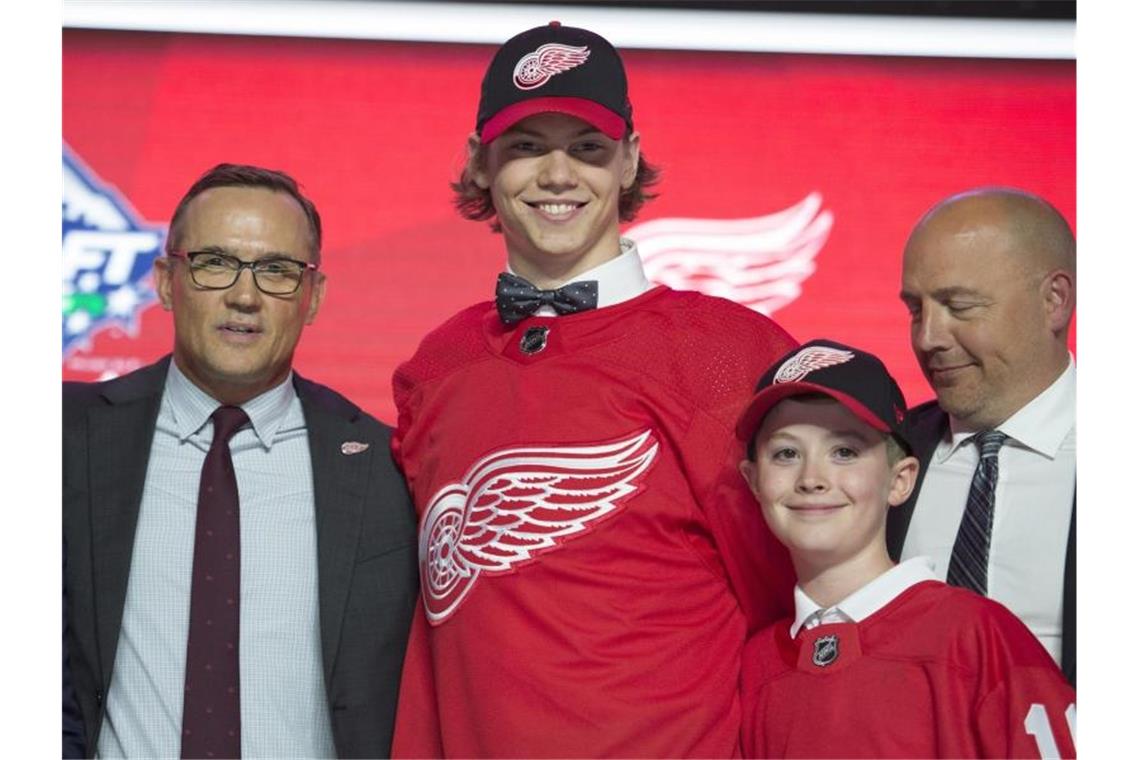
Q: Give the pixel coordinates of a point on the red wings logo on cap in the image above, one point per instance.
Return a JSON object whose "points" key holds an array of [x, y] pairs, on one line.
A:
{"points": [[809, 360], [515, 503], [759, 262], [535, 69]]}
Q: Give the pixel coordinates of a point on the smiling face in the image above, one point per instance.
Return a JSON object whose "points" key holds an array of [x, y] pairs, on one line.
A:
{"points": [[555, 182], [237, 343], [988, 315], [824, 482]]}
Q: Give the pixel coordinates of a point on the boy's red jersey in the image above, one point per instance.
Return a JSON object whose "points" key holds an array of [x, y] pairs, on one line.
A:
{"points": [[591, 560], [937, 672]]}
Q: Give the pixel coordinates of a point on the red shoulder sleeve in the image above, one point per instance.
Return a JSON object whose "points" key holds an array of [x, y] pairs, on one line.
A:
{"points": [[451, 345], [1031, 709], [757, 565]]}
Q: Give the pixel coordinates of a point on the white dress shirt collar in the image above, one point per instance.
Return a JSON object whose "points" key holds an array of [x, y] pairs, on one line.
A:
{"points": [[619, 279], [866, 601], [192, 406], [1040, 425]]}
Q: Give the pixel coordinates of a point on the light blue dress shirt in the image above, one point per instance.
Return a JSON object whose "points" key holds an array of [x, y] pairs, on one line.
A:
{"points": [[284, 709]]}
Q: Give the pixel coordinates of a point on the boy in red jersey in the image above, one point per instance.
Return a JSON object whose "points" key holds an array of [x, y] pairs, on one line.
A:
{"points": [[880, 660], [589, 557]]}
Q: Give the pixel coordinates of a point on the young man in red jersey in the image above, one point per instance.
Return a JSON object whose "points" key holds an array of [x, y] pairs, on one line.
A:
{"points": [[591, 563], [880, 660]]}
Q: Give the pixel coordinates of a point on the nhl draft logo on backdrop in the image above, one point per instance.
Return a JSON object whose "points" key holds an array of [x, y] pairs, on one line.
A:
{"points": [[535, 69], [809, 360], [515, 503], [107, 256]]}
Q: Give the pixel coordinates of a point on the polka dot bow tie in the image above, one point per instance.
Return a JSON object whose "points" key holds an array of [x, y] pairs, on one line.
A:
{"points": [[516, 298]]}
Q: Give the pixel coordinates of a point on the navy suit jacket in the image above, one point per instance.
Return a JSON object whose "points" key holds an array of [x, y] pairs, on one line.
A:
{"points": [[926, 424], [366, 547]]}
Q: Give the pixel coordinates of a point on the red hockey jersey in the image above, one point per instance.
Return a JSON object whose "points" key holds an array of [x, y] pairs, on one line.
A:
{"points": [[591, 561], [938, 672]]}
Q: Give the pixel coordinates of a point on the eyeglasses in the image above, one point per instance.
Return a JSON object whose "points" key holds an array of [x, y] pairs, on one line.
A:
{"points": [[277, 276]]}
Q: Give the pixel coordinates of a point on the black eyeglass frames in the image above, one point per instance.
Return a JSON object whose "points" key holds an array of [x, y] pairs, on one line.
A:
{"points": [[276, 276]]}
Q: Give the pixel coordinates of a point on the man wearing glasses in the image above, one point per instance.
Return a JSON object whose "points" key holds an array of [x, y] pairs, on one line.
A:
{"points": [[250, 599]]}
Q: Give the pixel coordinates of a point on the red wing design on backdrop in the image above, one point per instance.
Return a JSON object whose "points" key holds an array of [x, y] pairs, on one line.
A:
{"points": [[758, 262], [108, 251]]}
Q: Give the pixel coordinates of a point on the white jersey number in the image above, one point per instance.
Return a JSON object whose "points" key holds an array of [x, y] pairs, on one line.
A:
{"points": [[1037, 725]]}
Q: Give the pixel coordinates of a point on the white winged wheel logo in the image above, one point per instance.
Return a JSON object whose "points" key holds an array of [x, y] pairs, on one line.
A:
{"points": [[759, 262], [515, 503], [535, 69], [809, 360]]}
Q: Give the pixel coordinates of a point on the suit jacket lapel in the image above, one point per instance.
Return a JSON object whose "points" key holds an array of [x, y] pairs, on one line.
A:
{"points": [[1069, 602], [340, 483], [119, 441]]}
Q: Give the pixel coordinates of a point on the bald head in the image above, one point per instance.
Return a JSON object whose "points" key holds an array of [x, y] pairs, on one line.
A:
{"points": [[1034, 231], [989, 280]]}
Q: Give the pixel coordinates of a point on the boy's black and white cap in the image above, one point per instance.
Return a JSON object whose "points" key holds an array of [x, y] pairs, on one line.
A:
{"points": [[555, 68], [854, 378]]}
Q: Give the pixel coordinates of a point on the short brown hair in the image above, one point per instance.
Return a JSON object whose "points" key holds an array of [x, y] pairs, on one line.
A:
{"points": [[474, 202], [896, 452], [245, 175]]}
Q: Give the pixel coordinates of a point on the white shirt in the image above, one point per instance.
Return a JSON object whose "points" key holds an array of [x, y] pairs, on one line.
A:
{"points": [[1033, 505], [619, 279], [865, 602], [284, 707]]}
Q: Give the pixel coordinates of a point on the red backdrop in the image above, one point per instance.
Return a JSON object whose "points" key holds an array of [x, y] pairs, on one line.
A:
{"points": [[375, 130]]}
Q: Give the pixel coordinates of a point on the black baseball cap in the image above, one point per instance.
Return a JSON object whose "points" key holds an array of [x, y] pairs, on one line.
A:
{"points": [[555, 68], [854, 378]]}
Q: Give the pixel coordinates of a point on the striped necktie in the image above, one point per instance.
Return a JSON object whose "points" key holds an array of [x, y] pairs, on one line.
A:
{"points": [[969, 562]]}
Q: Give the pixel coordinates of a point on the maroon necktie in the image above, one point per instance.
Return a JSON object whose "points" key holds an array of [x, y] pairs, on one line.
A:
{"points": [[211, 709]]}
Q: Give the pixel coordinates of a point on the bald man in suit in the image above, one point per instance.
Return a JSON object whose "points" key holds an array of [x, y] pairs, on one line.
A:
{"points": [[989, 278]]}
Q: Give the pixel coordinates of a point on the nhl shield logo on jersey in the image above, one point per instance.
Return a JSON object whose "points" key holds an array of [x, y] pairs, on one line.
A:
{"points": [[825, 651], [107, 256], [534, 340], [516, 503]]}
